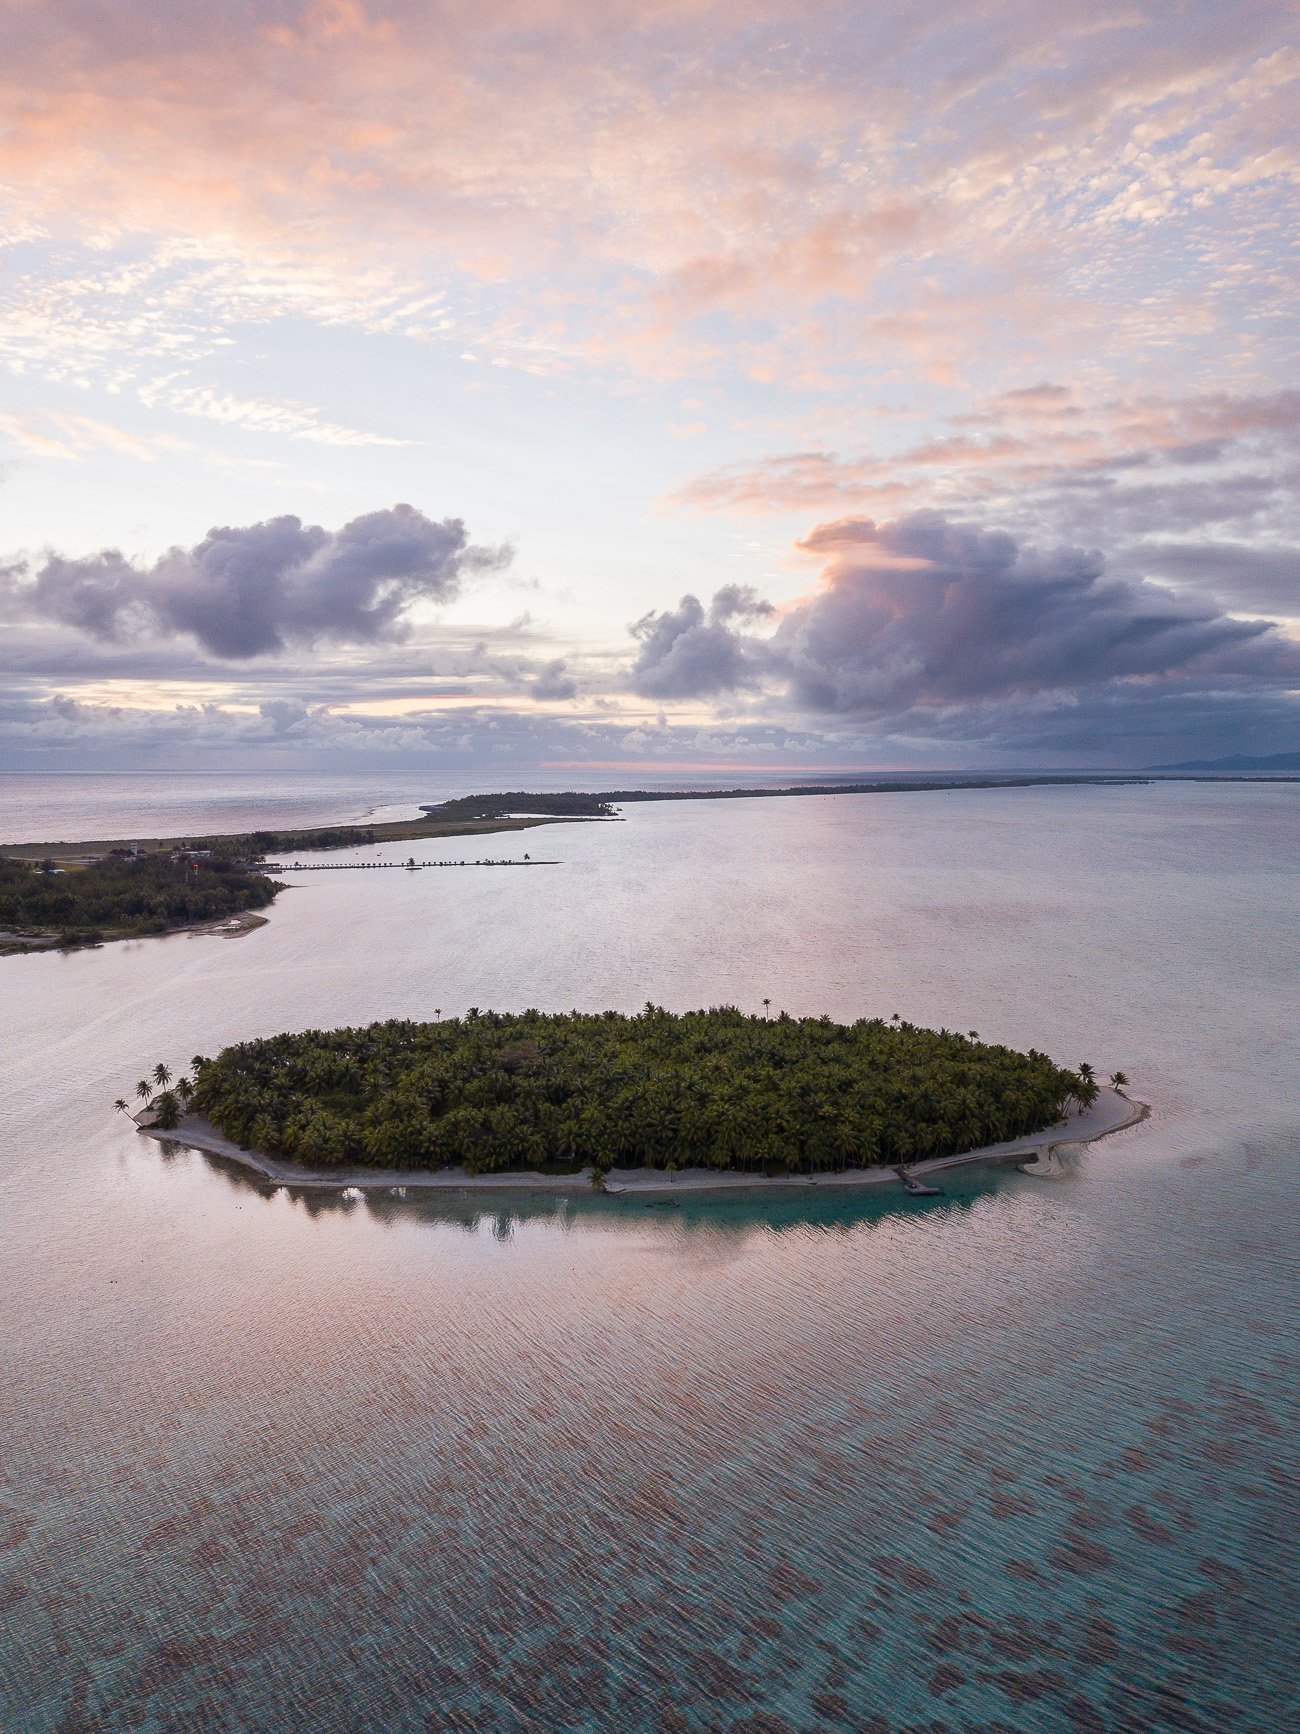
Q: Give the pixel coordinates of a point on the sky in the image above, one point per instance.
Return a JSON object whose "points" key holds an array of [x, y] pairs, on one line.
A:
{"points": [[548, 385]]}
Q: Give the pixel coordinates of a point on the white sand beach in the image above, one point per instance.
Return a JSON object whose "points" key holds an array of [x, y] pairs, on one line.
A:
{"points": [[1111, 1112]]}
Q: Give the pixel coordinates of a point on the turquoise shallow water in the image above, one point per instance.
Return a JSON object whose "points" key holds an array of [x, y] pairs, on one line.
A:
{"points": [[1022, 1459]]}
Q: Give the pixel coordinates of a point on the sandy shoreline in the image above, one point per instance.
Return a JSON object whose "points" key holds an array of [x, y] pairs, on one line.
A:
{"points": [[1111, 1112], [219, 927]]}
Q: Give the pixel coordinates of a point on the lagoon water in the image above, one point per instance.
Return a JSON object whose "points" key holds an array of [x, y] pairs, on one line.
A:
{"points": [[1023, 1458]]}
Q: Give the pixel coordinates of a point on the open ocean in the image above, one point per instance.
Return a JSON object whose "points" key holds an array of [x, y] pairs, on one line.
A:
{"points": [[1021, 1458], [72, 807]]}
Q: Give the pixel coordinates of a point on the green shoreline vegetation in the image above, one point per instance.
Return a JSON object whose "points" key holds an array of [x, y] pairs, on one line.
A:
{"points": [[122, 896], [74, 894], [496, 1091]]}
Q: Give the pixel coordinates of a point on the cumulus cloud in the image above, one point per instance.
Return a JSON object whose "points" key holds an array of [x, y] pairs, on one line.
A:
{"points": [[923, 624], [688, 652], [248, 591], [924, 611]]}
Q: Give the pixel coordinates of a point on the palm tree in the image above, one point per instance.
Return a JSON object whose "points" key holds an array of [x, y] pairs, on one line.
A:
{"points": [[767, 1006], [1118, 1080], [850, 1146], [168, 1111], [161, 1076], [1086, 1071], [120, 1105], [144, 1089]]}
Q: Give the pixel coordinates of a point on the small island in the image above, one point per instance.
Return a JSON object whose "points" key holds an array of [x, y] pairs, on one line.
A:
{"points": [[559, 1096], [123, 895]]}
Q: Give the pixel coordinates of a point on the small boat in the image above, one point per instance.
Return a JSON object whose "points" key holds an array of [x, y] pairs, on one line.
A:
{"points": [[918, 1188]]}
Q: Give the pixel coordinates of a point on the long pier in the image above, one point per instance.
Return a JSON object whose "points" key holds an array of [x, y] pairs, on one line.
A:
{"points": [[392, 866]]}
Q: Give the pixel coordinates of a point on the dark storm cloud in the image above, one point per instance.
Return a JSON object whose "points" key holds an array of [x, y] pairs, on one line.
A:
{"points": [[261, 588], [687, 652]]}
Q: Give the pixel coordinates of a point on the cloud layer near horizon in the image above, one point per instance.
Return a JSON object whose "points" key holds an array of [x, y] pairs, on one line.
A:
{"points": [[922, 632]]}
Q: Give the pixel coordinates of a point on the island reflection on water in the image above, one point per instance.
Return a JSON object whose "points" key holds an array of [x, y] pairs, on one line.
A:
{"points": [[774, 1210]]}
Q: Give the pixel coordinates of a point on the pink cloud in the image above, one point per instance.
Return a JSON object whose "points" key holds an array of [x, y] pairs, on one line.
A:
{"points": [[1030, 437], [648, 168]]}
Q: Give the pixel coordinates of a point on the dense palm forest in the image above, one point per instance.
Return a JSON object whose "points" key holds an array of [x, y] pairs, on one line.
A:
{"points": [[709, 1088], [124, 894]]}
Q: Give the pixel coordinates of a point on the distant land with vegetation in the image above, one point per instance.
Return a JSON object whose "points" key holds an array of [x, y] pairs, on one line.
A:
{"points": [[256, 845], [578, 804], [557, 1093], [601, 804], [83, 893], [122, 896]]}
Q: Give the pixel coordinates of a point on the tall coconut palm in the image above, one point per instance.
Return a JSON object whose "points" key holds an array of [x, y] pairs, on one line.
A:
{"points": [[161, 1076], [144, 1089], [120, 1105], [1118, 1080], [168, 1111]]}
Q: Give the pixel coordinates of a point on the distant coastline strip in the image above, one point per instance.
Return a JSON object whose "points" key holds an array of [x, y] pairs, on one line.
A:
{"points": [[578, 804]]}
